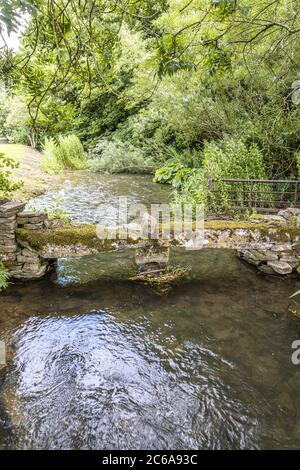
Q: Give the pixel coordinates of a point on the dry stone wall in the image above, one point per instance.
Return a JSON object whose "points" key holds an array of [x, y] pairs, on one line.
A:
{"points": [[277, 258], [22, 261]]}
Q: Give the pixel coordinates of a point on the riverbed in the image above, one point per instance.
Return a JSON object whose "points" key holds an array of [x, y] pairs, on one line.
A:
{"points": [[95, 361]]}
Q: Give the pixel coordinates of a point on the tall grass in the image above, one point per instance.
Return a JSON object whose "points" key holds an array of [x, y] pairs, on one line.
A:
{"points": [[65, 153], [115, 156]]}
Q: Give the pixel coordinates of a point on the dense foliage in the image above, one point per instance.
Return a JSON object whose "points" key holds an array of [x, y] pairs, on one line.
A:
{"points": [[229, 158], [66, 152], [142, 83], [7, 186]]}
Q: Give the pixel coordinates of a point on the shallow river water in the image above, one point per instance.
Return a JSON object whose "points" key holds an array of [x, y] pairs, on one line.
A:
{"points": [[95, 361]]}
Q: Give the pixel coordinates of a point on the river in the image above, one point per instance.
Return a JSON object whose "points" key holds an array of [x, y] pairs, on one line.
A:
{"points": [[95, 361]]}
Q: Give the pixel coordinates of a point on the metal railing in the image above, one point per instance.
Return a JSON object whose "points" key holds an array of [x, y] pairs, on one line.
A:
{"points": [[256, 194]]}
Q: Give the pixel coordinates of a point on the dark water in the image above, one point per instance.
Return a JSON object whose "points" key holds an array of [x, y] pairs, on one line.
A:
{"points": [[109, 364]]}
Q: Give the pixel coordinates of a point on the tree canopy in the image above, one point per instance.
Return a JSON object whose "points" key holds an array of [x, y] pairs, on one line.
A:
{"points": [[162, 75]]}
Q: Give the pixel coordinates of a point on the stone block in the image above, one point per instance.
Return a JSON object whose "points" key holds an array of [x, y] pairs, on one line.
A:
{"points": [[259, 255], [31, 267], [31, 272], [7, 214], [7, 241], [29, 253], [31, 214], [11, 207], [38, 226], [52, 223], [266, 269], [291, 260], [7, 220], [269, 219], [27, 259], [21, 220], [280, 267], [289, 213], [8, 226], [8, 257], [8, 248]]}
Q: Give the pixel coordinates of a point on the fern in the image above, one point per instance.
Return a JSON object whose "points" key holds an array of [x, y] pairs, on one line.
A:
{"points": [[4, 276]]}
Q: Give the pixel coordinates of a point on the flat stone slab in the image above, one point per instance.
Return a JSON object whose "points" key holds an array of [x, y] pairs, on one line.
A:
{"points": [[29, 214], [7, 220], [5, 215], [34, 226], [280, 267], [36, 219], [15, 207]]}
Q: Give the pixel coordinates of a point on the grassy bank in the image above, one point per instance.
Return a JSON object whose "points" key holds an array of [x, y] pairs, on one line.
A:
{"points": [[30, 172]]}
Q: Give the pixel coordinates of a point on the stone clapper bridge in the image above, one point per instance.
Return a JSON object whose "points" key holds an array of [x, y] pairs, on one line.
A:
{"points": [[30, 242]]}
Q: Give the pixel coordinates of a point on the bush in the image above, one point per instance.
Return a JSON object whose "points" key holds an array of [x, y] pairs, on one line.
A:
{"points": [[227, 159], [6, 185], [50, 161], [174, 173], [71, 153], [231, 158], [115, 156], [66, 153], [4, 276]]}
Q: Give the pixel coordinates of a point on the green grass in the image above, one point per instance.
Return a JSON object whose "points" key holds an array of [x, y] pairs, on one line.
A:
{"points": [[66, 152], [14, 151]]}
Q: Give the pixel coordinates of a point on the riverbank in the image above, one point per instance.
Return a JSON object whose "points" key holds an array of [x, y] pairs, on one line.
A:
{"points": [[30, 172]]}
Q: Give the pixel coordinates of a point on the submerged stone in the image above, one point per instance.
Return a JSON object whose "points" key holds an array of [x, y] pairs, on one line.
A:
{"points": [[280, 267]]}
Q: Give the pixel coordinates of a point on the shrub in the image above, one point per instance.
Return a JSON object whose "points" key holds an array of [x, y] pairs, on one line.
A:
{"points": [[50, 162], [115, 156], [227, 159], [6, 185], [71, 153], [66, 153], [194, 190], [4, 276], [231, 158], [174, 173]]}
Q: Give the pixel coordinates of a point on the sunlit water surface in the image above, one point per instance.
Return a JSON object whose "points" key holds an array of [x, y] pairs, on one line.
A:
{"points": [[109, 364]]}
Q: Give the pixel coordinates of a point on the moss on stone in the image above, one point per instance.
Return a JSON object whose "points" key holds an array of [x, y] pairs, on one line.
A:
{"points": [[275, 231], [257, 216], [86, 235]]}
